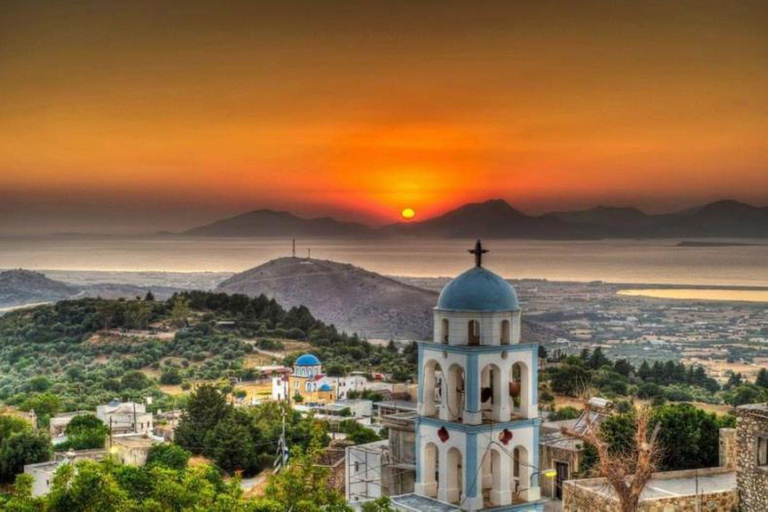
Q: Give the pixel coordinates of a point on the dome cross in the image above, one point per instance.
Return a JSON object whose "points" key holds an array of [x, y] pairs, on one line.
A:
{"points": [[478, 251]]}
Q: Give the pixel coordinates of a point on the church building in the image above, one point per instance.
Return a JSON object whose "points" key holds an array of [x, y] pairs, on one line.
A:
{"points": [[307, 384], [477, 428]]}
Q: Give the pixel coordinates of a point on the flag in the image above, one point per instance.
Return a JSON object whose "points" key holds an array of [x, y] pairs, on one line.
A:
{"points": [[281, 457]]}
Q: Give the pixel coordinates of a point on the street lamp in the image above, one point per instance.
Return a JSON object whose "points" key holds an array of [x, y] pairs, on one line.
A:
{"points": [[546, 473]]}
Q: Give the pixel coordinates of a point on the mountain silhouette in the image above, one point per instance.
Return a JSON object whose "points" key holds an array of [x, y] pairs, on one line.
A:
{"points": [[270, 223], [496, 218]]}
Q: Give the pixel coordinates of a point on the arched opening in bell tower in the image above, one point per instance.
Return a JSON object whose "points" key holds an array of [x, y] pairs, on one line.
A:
{"points": [[453, 477], [505, 332], [445, 331], [456, 397], [520, 389], [433, 394], [495, 491], [473, 332], [430, 468], [491, 393], [523, 472]]}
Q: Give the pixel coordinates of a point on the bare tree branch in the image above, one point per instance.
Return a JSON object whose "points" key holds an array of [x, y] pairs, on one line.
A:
{"points": [[626, 471]]}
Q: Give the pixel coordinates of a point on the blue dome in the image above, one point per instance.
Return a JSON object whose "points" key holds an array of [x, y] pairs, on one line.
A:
{"points": [[478, 289], [326, 387], [307, 360]]}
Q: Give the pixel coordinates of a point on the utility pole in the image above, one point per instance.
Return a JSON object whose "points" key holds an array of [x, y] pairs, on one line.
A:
{"points": [[293, 250], [309, 253], [698, 500]]}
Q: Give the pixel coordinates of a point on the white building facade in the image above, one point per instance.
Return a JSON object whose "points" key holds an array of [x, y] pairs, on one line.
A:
{"points": [[477, 427], [126, 417]]}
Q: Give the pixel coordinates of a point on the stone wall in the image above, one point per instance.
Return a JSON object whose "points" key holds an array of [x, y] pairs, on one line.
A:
{"points": [[594, 495], [751, 480], [728, 448]]}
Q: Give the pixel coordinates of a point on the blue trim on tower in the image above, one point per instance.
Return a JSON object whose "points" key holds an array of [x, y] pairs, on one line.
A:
{"points": [[421, 375], [535, 375], [417, 444], [479, 349], [479, 429], [471, 469], [535, 457], [472, 382]]}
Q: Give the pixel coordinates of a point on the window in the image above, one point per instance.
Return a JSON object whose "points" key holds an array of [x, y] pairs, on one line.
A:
{"points": [[474, 332], [762, 450], [445, 331]]}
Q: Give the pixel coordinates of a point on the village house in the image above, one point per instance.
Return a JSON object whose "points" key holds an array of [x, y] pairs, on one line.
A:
{"points": [[131, 449], [126, 417], [43, 472]]}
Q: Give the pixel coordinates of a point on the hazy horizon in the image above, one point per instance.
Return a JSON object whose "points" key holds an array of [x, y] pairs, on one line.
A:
{"points": [[108, 227]]}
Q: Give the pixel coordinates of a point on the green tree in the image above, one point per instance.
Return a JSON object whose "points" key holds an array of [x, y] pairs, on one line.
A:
{"points": [[45, 405], [205, 408], [19, 449], [137, 315], [171, 376], [745, 394], [762, 378], [689, 437], [230, 445], [39, 384], [303, 484], [357, 433], [85, 487], [618, 431], [623, 367], [570, 379], [135, 380], [597, 360], [168, 456], [86, 432], [10, 424], [644, 372], [180, 311], [21, 500]]}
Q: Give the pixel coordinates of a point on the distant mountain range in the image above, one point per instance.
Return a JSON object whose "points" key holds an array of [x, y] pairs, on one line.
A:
{"points": [[269, 223], [498, 219]]}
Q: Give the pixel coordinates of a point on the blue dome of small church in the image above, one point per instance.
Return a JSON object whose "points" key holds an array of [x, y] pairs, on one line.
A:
{"points": [[478, 289], [326, 387], [307, 360]]}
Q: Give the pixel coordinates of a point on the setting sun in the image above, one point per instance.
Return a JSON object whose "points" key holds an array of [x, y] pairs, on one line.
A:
{"points": [[408, 213]]}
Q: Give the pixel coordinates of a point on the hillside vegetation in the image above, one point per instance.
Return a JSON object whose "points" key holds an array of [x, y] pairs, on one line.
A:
{"points": [[76, 354]]}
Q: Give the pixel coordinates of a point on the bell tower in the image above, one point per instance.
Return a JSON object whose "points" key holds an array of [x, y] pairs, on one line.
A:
{"points": [[477, 426]]}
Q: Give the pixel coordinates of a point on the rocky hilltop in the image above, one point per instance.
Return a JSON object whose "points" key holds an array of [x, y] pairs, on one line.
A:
{"points": [[18, 287], [351, 298]]}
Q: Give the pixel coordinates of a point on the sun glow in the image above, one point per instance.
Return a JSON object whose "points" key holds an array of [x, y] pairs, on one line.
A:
{"points": [[408, 213]]}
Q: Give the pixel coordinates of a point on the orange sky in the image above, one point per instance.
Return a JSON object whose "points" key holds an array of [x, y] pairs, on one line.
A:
{"points": [[134, 116]]}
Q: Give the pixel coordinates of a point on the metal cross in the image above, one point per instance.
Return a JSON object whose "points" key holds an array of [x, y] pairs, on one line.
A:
{"points": [[478, 251]]}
